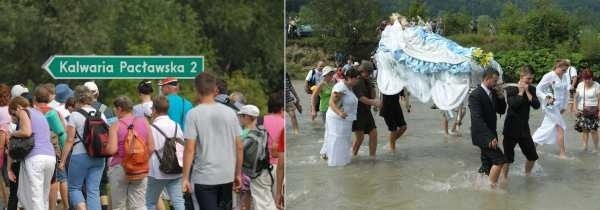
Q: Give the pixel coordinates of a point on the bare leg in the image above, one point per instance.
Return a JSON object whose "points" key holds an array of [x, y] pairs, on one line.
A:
{"points": [[528, 166], [445, 124], [294, 120], [360, 136], [494, 174], [595, 140], [53, 195], [394, 136], [504, 171], [373, 143], [584, 140], [407, 98], [64, 194], [561, 142], [160, 205], [458, 122], [81, 206]]}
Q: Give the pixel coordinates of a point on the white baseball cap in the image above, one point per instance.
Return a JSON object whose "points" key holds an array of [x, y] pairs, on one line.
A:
{"points": [[91, 85], [18, 90], [249, 110], [327, 70]]}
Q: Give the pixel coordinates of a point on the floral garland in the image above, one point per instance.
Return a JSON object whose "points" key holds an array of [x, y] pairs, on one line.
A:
{"points": [[483, 58]]}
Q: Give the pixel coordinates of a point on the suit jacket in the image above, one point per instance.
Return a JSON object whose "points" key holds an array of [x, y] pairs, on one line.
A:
{"points": [[483, 116], [516, 123]]}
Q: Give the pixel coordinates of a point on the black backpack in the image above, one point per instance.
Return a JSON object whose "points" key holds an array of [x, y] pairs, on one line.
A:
{"points": [[169, 163]]}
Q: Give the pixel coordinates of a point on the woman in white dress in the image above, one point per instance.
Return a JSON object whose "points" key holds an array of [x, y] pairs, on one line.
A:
{"points": [[553, 93], [341, 113]]}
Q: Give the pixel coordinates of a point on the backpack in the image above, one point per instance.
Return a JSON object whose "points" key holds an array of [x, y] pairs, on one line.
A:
{"points": [[169, 164], [135, 160], [311, 82], [95, 134], [57, 130], [256, 153]]}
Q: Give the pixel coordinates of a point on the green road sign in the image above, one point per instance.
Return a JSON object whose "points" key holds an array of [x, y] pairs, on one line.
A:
{"points": [[123, 67]]}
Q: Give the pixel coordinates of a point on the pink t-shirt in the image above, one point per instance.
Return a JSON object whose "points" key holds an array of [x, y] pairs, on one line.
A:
{"points": [[274, 124], [139, 125], [5, 119]]}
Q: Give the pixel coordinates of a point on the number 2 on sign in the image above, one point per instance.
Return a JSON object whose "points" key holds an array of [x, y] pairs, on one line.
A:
{"points": [[194, 64]]}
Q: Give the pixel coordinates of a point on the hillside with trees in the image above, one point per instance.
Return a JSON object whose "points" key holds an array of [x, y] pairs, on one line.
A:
{"points": [[527, 31]]}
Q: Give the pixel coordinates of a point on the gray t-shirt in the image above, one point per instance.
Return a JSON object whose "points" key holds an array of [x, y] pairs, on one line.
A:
{"points": [[77, 121], [215, 128]]}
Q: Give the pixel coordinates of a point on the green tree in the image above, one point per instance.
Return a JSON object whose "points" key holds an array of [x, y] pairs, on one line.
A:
{"points": [[343, 24], [455, 22], [483, 24], [248, 36], [417, 8], [590, 45], [547, 25], [511, 19]]}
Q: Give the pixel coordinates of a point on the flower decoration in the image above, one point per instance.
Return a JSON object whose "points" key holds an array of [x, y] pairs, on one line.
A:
{"points": [[483, 58]]}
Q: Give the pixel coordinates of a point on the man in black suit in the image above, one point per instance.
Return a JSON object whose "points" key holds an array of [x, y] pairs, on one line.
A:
{"points": [[516, 125], [484, 103]]}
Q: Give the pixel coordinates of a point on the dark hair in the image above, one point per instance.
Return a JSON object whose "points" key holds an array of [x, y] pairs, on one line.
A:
{"points": [[124, 103], [145, 87], [275, 103], [41, 94], [71, 102], [160, 104], [526, 69], [205, 84], [489, 73], [587, 74], [352, 73], [4, 95], [28, 96], [221, 85]]}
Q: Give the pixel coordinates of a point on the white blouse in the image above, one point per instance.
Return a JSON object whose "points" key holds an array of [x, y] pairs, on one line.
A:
{"points": [[559, 86], [587, 95]]}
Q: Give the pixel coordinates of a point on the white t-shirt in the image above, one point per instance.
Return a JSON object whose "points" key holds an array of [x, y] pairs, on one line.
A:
{"points": [[571, 72], [60, 108], [590, 97], [143, 109], [77, 121], [318, 75], [168, 126]]}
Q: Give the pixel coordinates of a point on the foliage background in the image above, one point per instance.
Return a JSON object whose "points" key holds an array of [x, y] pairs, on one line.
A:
{"points": [[241, 40], [534, 32]]}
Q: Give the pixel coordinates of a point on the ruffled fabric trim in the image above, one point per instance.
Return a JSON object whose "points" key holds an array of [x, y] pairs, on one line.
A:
{"points": [[427, 67], [420, 66]]}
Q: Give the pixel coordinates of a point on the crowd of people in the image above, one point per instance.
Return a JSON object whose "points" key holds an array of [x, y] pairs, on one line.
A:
{"points": [[213, 153], [346, 96]]}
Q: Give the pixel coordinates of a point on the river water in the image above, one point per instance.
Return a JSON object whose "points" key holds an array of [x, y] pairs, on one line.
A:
{"points": [[431, 171]]}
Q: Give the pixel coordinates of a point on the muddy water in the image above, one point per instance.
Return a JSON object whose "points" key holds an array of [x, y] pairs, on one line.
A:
{"points": [[431, 171]]}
